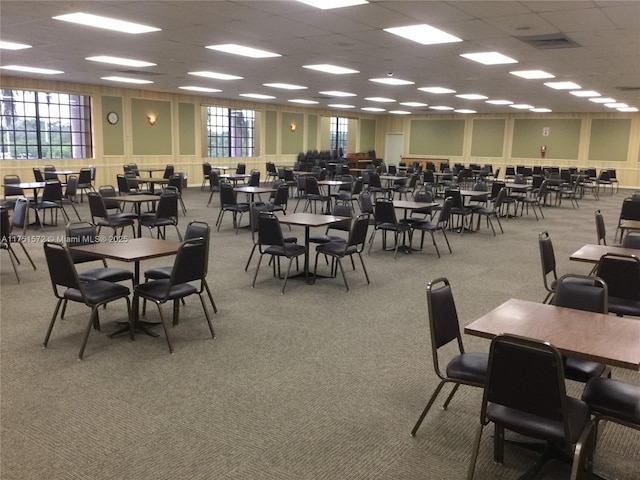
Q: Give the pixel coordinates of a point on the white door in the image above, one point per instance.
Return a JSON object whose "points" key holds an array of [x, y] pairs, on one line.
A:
{"points": [[393, 148]]}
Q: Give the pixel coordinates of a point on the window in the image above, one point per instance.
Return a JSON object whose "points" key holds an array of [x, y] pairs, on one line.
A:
{"points": [[339, 130], [45, 125], [230, 132]]}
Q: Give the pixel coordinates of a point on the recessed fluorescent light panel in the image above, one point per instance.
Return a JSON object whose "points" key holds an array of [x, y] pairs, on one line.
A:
{"points": [[21, 68], [522, 106], [440, 107], [242, 50], [340, 105], [216, 75], [399, 112], [436, 90], [585, 93], [563, 85], [532, 74], [334, 69], [602, 100], [302, 101], [423, 34], [201, 89], [616, 105], [628, 109], [413, 104], [489, 58], [541, 110], [126, 80], [259, 96], [380, 99], [372, 109], [284, 86], [127, 62], [13, 46], [499, 102], [464, 110], [472, 96], [391, 81], [336, 93], [329, 4], [106, 22]]}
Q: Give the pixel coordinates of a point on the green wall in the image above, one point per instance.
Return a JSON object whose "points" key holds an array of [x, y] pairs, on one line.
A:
{"points": [[367, 135], [292, 142], [112, 135], [609, 139], [186, 128], [312, 132], [488, 138], [436, 137], [271, 133], [562, 142], [151, 139]]}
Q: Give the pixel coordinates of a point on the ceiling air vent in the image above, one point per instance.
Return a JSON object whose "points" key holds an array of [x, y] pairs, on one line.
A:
{"points": [[137, 72], [628, 89], [548, 42]]}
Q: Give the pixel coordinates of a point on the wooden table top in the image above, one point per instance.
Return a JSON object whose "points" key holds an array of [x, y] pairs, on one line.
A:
{"points": [[248, 189], [591, 253], [411, 205], [235, 175], [131, 250], [25, 184], [333, 182], [592, 336], [630, 224], [521, 187], [474, 193], [141, 198], [150, 179], [309, 219]]}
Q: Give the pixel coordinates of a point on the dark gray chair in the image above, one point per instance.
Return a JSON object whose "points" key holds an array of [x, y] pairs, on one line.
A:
{"points": [[464, 368], [228, 203], [521, 370], [432, 227], [622, 276], [548, 262]]}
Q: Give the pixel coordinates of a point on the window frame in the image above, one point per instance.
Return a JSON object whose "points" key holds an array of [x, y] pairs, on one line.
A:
{"points": [[236, 132]]}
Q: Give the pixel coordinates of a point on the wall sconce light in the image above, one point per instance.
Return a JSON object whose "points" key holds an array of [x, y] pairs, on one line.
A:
{"points": [[293, 126], [152, 119]]}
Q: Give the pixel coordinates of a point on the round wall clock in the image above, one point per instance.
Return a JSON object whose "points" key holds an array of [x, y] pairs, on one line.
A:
{"points": [[112, 118]]}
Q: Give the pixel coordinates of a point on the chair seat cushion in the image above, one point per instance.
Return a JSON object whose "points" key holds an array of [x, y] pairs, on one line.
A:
{"points": [[614, 398], [538, 427], [157, 289], [470, 367], [157, 222], [337, 248], [158, 273], [624, 306], [114, 222], [396, 227], [425, 225], [97, 291], [107, 274], [326, 239], [288, 250], [582, 370]]}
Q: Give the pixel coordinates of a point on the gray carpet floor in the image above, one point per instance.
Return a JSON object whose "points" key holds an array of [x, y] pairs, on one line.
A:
{"points": [[314, 384]]}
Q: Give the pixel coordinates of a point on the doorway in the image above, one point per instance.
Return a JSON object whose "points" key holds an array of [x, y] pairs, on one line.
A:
{"points": [[393, 145]]}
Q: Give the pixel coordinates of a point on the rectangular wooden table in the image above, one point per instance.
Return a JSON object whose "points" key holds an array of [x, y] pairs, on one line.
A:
{"points": [[152, 181], [591, 336], [591, 253], [308, 220], [137, 201], [631, 225], [252, 191]]}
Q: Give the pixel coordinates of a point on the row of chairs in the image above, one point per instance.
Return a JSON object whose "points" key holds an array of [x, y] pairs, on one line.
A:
{"points": [[517, 369]]}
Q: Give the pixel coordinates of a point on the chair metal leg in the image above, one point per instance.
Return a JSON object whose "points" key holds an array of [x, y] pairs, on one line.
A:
{"points": [[206, 314], [434, 395], [453, 392], [213, 304], [164, 326], [474, 453], [52, 322], [92, 319], [364, 269]]}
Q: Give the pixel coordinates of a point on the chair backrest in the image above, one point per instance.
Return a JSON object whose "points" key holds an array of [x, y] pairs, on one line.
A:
{"points": [[547, 256], [521, 369], [48, 172], [385, 212], [108, 194], [37, 175], [168, 171], [254, 178], [52, 191], [366, 205], [8, 189], [495, 188], [84, 177], [581, 292], [123, 185], [214, 179], [72, 187], [600, 229], [97, 206], [269, 230], [78, 234], [428, 176], [5, 226], [282, 195], [358, 233], [241, 168], [630, 209], [20, 214], [374, 180], [445, 212], [312, 185], [227, 195], [622, 275], [167, 206], [189, 264], [502, 194], [443, 318], [206, 168], [288, 175], [341, 210], [61, 269], [175, 180], [358, 186], [423, 197], [456, 196]]}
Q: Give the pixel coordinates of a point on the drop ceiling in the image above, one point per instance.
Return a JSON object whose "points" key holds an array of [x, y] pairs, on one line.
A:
{"points": [[602, 51]]}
